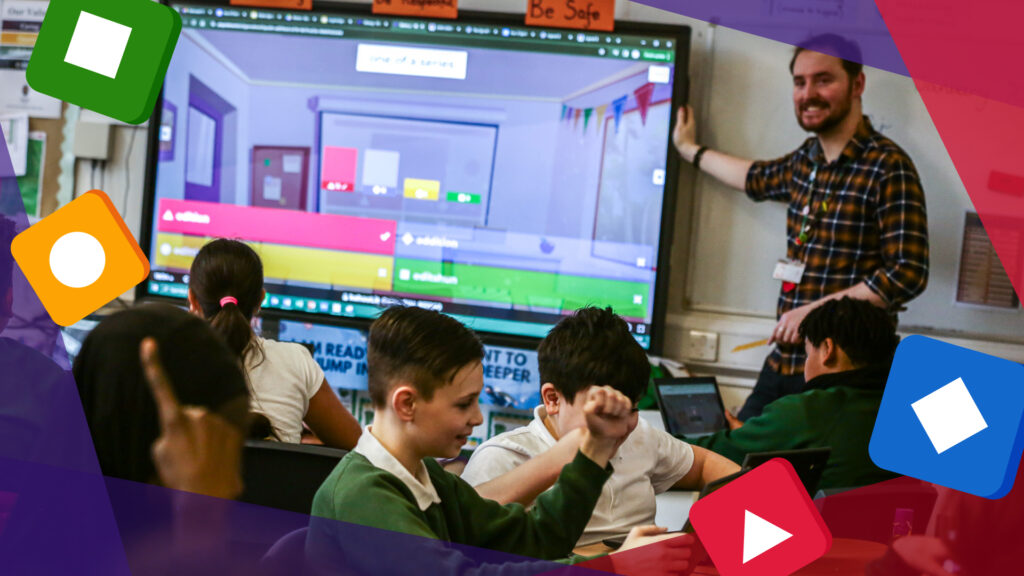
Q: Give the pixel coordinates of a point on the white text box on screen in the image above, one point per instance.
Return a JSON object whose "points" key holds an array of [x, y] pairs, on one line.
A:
{"points": [[406, 61]]}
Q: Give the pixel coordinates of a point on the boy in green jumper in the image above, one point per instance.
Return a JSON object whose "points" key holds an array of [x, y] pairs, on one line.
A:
{"points": [[425, 376], [850, 344]]}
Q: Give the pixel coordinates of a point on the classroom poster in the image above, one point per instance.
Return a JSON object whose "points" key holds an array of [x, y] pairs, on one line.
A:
{"points": [[511, 378], [15, 129], [340, 352], [501, 422], [20, 21], [31, 184]]}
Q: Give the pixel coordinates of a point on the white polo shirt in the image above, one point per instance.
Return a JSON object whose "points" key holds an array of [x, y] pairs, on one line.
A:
{"points": [[420, 485], [283, 381], [649, 462]]}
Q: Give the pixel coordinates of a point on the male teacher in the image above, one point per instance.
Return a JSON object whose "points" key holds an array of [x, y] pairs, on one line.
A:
{"points": [[856, 223]]}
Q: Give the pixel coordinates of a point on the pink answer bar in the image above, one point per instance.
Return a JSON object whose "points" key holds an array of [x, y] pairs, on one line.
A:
{"points": [[276, 226]]}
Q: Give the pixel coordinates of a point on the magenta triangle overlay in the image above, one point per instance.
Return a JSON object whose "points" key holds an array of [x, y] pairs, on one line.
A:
{"points": [[965, 61]]}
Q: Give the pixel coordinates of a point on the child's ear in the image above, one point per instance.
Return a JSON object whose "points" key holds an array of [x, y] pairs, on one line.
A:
{"points": [[551, 398], [193, 304], [829, 352], [403, 402]]}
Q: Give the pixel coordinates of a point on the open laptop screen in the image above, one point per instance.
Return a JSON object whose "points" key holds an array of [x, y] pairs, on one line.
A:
{"points": [[691, 406]]}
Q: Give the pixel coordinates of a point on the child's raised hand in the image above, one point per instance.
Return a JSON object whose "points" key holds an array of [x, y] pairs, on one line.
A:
{"points": [[610, 418], [608, 413], [197, 451]]}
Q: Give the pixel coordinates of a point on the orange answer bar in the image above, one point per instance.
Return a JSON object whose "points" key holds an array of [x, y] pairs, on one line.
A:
{"points": [[176, 251]]}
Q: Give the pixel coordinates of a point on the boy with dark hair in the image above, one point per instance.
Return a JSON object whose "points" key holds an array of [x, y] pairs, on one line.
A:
{"points": [[591, 348], [850, 345], [425, 377]]}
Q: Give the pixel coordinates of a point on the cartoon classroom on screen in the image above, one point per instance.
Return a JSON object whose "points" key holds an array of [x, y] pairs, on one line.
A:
{"points": [[505, 286]]}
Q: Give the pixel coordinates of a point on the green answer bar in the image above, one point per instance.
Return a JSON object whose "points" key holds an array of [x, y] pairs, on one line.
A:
{"points": [[658, 55], [463, 198], [519, 287]]}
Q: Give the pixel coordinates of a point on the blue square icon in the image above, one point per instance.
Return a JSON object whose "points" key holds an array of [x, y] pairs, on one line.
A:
{"points": [[951, 416]]}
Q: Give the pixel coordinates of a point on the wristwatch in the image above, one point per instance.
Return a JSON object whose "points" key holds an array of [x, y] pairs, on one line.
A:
{"points": [[698, 156]]}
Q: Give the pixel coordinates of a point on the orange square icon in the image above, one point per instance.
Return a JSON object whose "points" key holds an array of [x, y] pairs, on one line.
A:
{"points": [[80, 257]]}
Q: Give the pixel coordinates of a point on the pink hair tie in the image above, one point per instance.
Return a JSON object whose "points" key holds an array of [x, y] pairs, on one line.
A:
{"points": [[228, 299]]}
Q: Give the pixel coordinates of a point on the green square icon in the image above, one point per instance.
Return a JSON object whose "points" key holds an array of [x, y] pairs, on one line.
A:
{"points": [[109, 57]]}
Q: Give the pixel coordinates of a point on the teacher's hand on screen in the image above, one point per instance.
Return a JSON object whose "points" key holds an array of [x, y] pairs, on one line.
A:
{"points": [[197, 451], [684, 135]]}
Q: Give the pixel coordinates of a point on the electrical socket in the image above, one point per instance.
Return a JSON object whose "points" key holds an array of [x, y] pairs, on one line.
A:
{"points": [[92, 141], [700, 345]]}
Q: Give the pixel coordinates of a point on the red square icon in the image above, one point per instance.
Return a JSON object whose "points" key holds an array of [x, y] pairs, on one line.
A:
{"points": [[338, 173], [763, 523]]}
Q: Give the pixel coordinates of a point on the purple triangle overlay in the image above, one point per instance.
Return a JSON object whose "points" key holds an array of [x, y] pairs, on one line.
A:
{"points": [[793, 21]]}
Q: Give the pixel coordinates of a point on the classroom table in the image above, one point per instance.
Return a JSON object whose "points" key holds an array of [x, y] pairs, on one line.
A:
{"points": [[591, 549], [847, 557]]}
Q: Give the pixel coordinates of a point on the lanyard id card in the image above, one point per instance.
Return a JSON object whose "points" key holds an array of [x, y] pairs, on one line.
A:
{"points": [[791, 271]]}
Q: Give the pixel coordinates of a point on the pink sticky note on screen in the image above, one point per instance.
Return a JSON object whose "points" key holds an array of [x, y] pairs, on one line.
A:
{"points": [[339, 169]]}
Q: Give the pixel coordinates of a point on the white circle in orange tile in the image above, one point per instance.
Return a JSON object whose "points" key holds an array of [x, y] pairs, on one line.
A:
{"points": [[77, 259]]}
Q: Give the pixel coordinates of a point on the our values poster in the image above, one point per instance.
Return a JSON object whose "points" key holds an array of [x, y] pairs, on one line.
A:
{"points": [[20, 21]]}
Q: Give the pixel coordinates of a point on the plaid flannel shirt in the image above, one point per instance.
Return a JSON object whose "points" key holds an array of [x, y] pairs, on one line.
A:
{"points": [[865, 222]]}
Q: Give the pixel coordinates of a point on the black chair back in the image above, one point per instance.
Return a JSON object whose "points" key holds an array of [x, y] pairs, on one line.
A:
{"points": [[285, 476]]}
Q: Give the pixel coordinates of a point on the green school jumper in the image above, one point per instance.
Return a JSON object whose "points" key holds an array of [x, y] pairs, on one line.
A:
{"points": [[836, 410], [360, 493]]}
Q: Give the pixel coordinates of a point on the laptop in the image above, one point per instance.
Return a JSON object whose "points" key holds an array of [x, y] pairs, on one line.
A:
{"points": [[691, 407], [809, 463]]}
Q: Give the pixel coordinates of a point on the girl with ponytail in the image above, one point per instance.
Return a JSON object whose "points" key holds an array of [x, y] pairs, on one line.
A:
{"points": [[287, 385]]}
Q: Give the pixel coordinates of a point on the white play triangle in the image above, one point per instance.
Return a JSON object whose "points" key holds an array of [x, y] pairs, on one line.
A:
{"points": [[760, 536]]}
